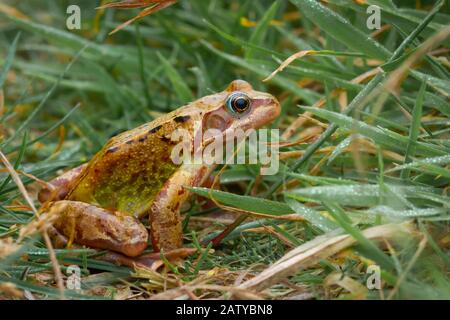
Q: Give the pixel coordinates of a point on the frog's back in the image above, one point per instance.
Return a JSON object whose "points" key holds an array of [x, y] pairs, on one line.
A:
{"points": [[130, 170]]}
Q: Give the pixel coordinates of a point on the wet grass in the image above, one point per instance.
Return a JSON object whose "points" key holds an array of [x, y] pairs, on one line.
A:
{"points": [[375, 149]]}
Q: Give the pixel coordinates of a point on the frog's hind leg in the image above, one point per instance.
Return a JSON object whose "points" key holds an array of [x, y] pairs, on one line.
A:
{"points": [[165, 220], [59, 187], [95, 227]]}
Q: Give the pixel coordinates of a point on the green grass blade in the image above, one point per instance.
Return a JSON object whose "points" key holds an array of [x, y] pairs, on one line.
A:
{"points": [[245, 202], [9, 60], [341, 29], [380, 135], [42, 103], [258, 35], [370, 248], [312, 216], [415, 128], [179, 85]]}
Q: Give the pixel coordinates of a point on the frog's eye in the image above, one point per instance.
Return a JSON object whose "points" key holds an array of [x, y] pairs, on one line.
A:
{"points": [[238, 103]]}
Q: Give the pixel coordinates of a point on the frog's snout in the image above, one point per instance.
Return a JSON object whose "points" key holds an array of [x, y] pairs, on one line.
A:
{"points": [[274, 108], [266, 109]]}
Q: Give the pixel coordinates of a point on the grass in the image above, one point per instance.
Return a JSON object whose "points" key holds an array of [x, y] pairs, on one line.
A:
{"points": [[368, 188]]}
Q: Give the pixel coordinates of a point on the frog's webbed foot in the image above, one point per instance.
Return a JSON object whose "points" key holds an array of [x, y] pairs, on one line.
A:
{"points": [[95, 227]]}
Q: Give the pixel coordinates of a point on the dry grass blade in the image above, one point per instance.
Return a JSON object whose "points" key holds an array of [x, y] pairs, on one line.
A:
{"points": [[300, 121], [237, 292], [129, 4], [285, 217], [357, 290], [313, 251], [393, 83], [2, 103], [18, 182], [32, 177], [48, 243], [396, 78], [156, 6], [12, 11], [288, 61]]}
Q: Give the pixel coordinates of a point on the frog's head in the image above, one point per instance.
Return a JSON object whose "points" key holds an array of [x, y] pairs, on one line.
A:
{"points": [[239, 107]]}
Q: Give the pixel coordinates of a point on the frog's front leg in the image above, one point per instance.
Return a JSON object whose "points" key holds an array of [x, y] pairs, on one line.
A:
{"points": [[99, 228], [60, 186], [165, 220]]}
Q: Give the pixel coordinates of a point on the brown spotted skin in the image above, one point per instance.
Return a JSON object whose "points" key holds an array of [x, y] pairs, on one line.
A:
{"points": [[133, 176], [165, 222], [129, 171]]}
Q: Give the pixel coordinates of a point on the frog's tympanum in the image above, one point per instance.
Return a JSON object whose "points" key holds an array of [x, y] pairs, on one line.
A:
{"points": [[132, 177]]}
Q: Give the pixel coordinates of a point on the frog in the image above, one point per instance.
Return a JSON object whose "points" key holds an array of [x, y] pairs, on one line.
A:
{"points": [[103, 203]]}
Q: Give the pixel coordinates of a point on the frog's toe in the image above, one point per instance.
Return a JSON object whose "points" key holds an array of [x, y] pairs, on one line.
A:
{"points": [[147, 260]]}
